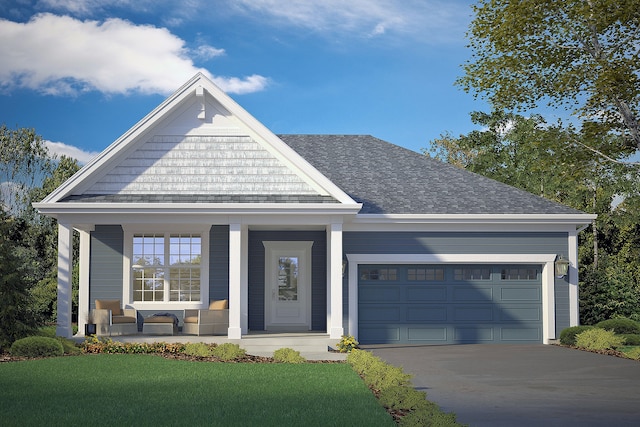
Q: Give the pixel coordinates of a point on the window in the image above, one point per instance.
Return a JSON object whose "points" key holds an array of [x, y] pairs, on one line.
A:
{"points": [[425, 274], [166, 267], [472, 273], [379, 274], [519, 274]]}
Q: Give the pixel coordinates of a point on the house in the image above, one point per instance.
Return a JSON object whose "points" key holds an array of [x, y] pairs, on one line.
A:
{"points": [[338, 234]]}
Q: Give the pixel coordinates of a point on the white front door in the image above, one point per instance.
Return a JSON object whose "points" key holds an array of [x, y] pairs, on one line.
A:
{"points": [[288, 286]]}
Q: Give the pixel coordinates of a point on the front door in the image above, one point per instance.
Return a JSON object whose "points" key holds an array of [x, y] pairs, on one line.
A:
{"points": [[288, 286]]}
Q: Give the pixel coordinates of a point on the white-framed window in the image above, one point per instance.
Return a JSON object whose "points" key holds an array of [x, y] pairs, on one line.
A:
{"points": [[169, 268]]}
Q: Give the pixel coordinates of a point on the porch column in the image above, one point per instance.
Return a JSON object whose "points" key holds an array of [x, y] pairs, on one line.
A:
{"points": [[334, 275], [574, 315], [65, 263], [238, 280], [84, 305]]}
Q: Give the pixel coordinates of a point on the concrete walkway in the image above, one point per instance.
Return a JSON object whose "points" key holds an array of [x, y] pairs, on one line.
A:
{"points": [[523, 385]]}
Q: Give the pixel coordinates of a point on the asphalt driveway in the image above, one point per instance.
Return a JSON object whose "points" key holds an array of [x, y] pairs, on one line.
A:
{"points": [[522, 385]]}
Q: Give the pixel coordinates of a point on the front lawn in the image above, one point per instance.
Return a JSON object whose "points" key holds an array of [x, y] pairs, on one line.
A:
{"points": [[113, 389]]}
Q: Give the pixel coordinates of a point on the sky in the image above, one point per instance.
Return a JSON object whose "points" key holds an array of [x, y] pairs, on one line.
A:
{"points": [[82, 72]]}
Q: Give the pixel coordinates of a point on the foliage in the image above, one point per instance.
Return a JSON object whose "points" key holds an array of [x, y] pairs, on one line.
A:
{"points": [[568, 335], [620, 326], [347, 343], [16, 317], [37, 346], [633, 353], [599, 339], [228, 351], [288, 355], [198, 349], [570, 54], [95, 345], [388, 381], [631, 339]]}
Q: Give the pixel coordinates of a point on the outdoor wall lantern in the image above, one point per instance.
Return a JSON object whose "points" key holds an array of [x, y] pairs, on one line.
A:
{"points": [[562, 266]]}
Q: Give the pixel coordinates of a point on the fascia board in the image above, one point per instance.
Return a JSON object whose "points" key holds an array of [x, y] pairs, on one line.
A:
{"points": [[193, 208], [574, 219], [122, 143]]}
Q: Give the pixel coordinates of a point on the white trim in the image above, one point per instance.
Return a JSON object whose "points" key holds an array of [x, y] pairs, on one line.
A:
{"points": [[84, 304], [238, 280], [574, 315], [65, 263], [546, 260], [274, 249], [129, 230], [335, 328]]}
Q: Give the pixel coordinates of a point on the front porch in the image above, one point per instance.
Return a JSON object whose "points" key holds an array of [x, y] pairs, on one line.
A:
{"points": [[311, 345]]}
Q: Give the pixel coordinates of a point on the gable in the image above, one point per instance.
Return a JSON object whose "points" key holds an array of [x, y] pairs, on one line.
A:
{"points": [[199, 146]]}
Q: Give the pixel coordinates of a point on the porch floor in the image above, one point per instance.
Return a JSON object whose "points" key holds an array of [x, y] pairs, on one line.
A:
{"points": [[311, 345]]}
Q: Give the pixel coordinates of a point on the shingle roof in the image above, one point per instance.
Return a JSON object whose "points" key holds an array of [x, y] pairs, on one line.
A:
{"points": [[388, 179]]}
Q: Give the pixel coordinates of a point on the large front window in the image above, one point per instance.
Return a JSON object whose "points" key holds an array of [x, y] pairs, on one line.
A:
{"points": [[166, 267]]}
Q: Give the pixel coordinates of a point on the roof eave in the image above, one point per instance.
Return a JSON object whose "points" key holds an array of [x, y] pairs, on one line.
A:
{"points": [[573, 219]]}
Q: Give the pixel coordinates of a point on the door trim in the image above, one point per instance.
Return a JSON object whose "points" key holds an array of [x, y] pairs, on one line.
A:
{"points": [[272, 250]]}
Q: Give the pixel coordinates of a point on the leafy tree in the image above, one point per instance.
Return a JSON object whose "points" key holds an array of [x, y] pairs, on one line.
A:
{"points": [[576, 54], [542, 159]]}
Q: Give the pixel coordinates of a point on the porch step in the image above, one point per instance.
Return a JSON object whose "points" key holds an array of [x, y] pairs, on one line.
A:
{"points": [[265, 345]]}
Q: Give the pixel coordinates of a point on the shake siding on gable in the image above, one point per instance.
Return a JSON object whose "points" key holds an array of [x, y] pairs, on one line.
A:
{"points": [[105, 271], [201, 165]]}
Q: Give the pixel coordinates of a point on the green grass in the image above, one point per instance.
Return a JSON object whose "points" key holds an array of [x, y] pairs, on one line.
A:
{"points": [[149, 390]]}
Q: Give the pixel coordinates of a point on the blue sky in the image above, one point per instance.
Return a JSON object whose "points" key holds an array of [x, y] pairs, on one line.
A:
{"points": [[82, 72]]}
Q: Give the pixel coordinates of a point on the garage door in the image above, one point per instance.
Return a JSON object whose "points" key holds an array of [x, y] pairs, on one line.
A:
{"points": [[449, 304]]}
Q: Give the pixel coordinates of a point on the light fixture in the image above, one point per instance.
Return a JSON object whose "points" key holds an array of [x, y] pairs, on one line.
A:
{"points": [[137, 267], [562, 266]]}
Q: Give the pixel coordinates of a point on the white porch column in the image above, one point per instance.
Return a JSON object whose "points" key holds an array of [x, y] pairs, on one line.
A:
{"points": [[334, 275], [84, 305], [238, 280], [65, 263], [574, 315]]}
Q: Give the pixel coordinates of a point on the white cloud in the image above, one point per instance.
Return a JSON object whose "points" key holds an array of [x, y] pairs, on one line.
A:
{"points": [[61, 149], [431, 20], [60, 55], [206, 52]]}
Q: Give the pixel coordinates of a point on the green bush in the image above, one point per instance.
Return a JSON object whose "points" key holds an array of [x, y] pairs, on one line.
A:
{"points": [[288, 355], [228, 351], [568, 335], [634, 353], [403, 398], [198, 349], [69, 346], [94, 344], [36, 346], [347, 343], [599, 339], [631, 339], [620, 326], [429, 417]]}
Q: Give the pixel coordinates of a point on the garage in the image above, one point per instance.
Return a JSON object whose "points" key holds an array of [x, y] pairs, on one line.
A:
{"points": [[449, 304]]}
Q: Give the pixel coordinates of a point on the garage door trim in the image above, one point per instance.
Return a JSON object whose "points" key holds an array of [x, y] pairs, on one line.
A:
{"points": [[546, 260]]}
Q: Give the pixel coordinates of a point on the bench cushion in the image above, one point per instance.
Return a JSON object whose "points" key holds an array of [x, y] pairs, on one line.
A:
{"points": [[158, 319], [110, 304], [123, 319], [191, 319], [219, 304]]}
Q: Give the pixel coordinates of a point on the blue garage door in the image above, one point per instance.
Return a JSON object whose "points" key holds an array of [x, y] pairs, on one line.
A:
{"points": [[449, 304]]}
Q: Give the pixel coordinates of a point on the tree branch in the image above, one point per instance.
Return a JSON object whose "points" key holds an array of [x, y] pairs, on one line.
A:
{"points": [[600, 153]]}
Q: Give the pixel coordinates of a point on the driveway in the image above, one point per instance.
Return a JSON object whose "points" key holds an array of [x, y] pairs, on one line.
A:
{"points": [[522, 385]]}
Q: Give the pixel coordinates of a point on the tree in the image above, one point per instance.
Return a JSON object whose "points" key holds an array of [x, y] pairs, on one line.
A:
{"points": [[24, 162], [546, 160], [580, 54]]}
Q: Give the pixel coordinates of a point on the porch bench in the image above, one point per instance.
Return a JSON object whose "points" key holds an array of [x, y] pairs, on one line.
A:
{"points": [[159, 325]]}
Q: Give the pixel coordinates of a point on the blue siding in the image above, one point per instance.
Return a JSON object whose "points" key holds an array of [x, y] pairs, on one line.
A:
{"points": [[318, 275], [219, 262], [105, 266]]}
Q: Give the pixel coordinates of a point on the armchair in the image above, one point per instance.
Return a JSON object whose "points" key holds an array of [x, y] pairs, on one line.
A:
{"points": [[111, 319], [211, 321]]}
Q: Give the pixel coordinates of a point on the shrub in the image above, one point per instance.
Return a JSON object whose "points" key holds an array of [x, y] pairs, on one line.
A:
{"points": [[288, 355], [620, 326], [198, 349], [36, 346], [228, 351], [599, 339], [69, 346], [568, 335], [429, 417], [634, 353], [94, 344], [402, 398], [347, 343], [631, 339], [375, 372]]}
